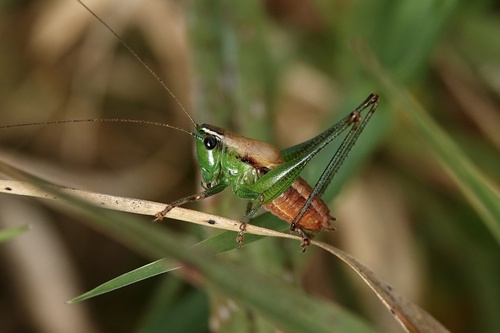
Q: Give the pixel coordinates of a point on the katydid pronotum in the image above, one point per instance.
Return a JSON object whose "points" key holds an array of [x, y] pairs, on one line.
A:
{"points": [[256, 170]]}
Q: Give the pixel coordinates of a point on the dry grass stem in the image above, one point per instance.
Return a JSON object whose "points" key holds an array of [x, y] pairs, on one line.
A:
{"points": [[136, 206]]}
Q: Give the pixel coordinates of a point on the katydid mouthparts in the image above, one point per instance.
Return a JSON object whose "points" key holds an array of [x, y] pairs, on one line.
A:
{"points": [[256, 170]]}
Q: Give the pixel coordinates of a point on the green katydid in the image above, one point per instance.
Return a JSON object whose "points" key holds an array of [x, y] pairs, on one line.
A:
{"points": [[256, 170], [260, 173]]}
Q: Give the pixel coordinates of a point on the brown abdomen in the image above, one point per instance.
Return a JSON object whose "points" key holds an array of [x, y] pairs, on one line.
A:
{"points": [[288, 205]]}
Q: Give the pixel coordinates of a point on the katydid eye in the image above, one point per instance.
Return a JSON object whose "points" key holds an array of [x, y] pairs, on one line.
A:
{"points": [[210, 142]]}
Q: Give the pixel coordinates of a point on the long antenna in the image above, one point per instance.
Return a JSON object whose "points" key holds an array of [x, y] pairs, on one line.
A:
{"points": [[137, 121], [167, 89]]}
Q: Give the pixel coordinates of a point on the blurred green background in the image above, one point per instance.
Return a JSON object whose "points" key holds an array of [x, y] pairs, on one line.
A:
{"points": [[408, 203]]}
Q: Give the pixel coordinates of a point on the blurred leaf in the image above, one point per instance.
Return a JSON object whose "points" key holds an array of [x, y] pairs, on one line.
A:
{"points": [[9, 233], [139, 236], [220, 243], [405, 49], [286, 306], [174, 320], [474, 186], [408, 314]]}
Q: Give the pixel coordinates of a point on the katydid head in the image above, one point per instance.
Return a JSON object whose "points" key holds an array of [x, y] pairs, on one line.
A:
{"points": [[209, 144]]}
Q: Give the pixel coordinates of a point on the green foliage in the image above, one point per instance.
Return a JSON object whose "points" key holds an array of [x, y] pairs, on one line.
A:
{"points": [[9, 233]]}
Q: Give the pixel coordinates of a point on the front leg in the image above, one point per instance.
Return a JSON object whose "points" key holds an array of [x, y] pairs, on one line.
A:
{"points": [[251, 211], [195, 197]]}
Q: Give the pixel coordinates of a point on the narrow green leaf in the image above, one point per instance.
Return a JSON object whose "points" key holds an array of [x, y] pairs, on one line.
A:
{"points": [[9, 233], [220, 243], [196, 304], [139, 274]]}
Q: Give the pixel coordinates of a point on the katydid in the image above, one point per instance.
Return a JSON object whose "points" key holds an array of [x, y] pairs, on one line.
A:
{"points": [[269, 178], [256, 170]]}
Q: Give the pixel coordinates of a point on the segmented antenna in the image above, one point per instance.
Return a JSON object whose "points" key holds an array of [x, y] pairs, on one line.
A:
{"points": [[136, 121], [144, 64]]}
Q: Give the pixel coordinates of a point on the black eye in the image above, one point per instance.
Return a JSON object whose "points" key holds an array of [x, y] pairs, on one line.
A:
{"points": [[210, 142]]}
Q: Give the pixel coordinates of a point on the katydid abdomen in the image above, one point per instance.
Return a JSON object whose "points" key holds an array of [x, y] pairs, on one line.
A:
{"points": [[289, 204]]}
